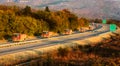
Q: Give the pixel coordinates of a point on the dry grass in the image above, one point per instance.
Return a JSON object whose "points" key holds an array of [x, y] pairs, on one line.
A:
{"points": [[3, 41], [16, 58], [106, 53]]}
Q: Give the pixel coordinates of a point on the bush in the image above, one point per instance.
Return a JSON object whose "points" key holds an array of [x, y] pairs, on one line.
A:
{"points": [[63, 52]]}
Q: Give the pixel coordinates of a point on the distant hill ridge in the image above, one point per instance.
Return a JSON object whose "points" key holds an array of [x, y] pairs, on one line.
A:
{"points": [[17, 1], [84, 8]]}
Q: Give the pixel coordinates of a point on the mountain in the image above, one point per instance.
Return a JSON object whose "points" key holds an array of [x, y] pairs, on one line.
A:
{"points": [[84, 8]]}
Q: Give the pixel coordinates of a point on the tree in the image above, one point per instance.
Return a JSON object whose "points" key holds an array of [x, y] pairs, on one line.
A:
{"points": [[83, 22], [27, 10], [47, 9], [98, 21]]}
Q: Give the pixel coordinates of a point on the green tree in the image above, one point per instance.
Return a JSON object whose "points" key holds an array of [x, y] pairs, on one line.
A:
{"points": [[26, 25], [27, 11], [47, 9]]}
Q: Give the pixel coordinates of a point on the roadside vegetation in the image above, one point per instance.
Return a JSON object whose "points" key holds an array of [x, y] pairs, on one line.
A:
{"points": [[106, 53], [32, 22]]}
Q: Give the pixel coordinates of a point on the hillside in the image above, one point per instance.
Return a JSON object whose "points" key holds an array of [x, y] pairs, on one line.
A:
{"points": [[84, 8], [34, 22]]}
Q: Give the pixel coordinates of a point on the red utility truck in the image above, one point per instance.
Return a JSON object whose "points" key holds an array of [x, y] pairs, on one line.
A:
{"points": [[18, 37], [46, 34], [67, 31]]}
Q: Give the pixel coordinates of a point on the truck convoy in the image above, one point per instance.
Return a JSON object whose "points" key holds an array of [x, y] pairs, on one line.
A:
{"points": [[17, 37]]}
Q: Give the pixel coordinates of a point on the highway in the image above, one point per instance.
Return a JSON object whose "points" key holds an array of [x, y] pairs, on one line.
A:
{"points": [[55, 40]]}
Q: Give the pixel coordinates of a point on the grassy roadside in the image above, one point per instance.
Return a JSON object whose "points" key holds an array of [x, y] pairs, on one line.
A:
{"points": [[106, 53], [102, 54]]}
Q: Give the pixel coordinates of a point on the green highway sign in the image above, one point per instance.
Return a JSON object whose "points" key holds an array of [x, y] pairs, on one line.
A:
{"points": [[113, 27], [104, 21]]}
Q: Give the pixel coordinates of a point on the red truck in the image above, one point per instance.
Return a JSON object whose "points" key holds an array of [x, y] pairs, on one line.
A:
{"points": [[67, 31], [46, 34], [18, 37]]}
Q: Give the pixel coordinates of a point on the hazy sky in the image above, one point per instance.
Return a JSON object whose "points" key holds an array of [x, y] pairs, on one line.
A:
{"points": [[89, 8]]}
